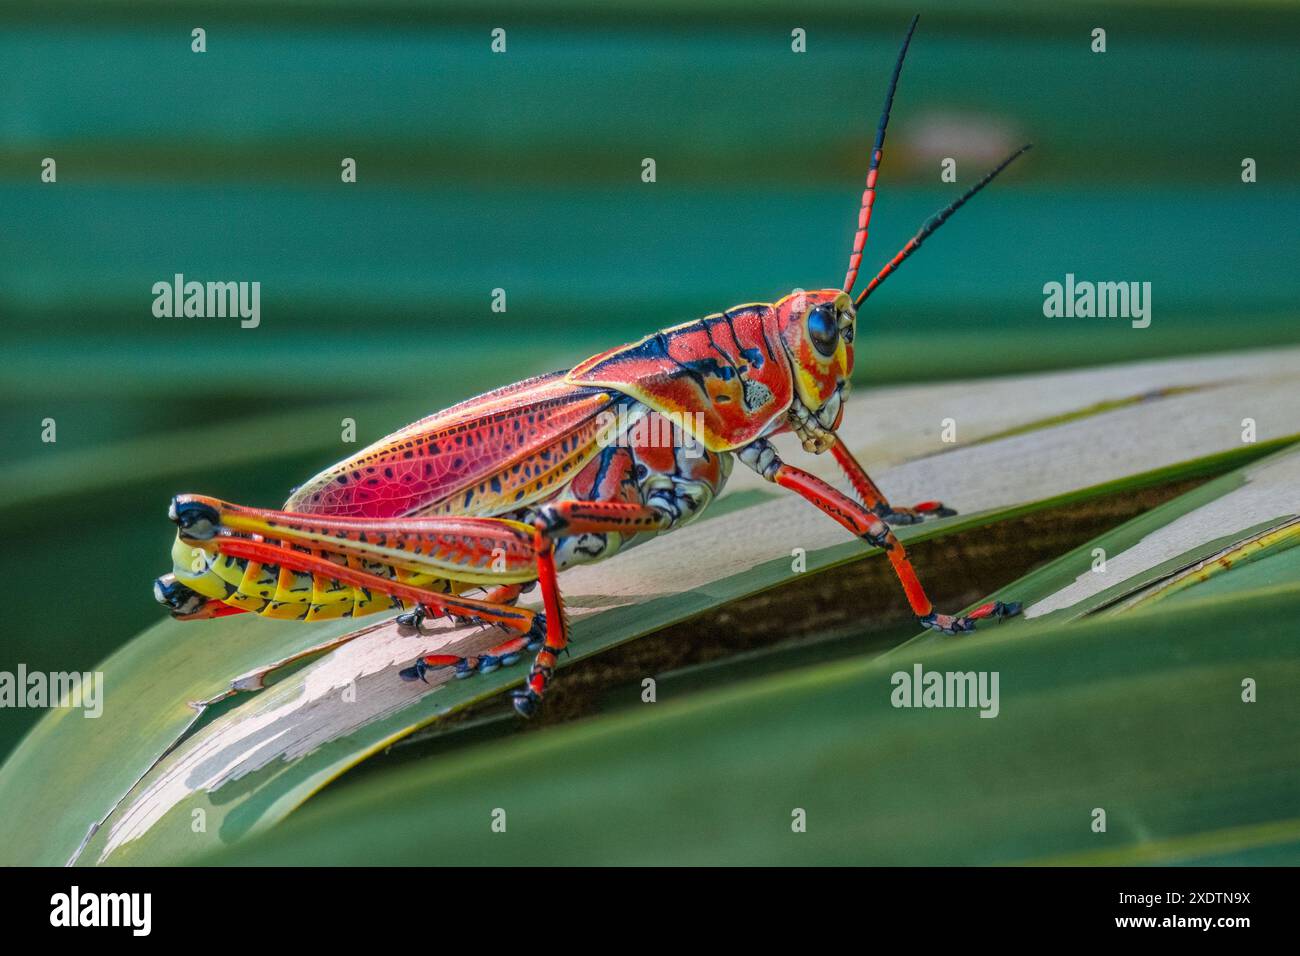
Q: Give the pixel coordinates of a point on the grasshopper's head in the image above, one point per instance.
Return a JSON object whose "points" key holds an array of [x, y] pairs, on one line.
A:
{"points": [[817, 331]]}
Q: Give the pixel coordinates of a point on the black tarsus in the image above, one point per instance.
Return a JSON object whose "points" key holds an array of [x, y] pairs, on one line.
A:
{"points": [[889, 95]]}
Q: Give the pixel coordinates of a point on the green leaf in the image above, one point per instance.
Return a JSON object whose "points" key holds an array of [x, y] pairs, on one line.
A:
{"points": [[1141, 717], [1244, 516], [257, 757], [70, 771], [1139, 714]]}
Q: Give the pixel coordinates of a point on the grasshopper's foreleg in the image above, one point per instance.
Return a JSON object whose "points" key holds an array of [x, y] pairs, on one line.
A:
{"points": [[874, 499], [871, 528]]}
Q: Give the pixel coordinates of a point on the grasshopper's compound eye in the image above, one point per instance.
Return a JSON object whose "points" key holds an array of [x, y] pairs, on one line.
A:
{"points": [[823, 330]]}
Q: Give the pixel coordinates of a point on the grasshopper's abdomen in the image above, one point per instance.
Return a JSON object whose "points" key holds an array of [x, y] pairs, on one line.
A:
{"points": [[285, 594]]}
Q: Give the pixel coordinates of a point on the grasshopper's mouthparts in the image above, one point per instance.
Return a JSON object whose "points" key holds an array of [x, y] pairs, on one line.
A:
{"points": [[815, 436], [817, 429]]}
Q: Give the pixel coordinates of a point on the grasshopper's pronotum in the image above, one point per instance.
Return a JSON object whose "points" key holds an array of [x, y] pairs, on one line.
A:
{"points": [[458, 513]]}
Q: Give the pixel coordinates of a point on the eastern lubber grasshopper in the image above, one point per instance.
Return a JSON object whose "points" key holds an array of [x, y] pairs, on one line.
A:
{"points": [[501, 491]]}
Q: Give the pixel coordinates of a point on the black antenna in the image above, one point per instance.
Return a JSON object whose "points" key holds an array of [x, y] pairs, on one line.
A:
{"points": [[933, 223]]}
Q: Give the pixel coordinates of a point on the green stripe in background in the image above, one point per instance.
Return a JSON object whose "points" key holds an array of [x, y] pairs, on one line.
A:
{"points": [[522, 171]]}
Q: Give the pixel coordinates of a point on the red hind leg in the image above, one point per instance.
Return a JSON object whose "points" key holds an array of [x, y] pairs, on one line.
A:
{"points": [[240, 533]]}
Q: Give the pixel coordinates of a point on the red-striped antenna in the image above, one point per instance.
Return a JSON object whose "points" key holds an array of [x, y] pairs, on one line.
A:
{"points": [[869, 194], [933, 223]]}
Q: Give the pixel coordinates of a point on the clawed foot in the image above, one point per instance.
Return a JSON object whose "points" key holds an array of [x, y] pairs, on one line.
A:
{"points": [[507, 654], [525, 702], [948, 624], [413, 618], [917, 513], [502, 655]]}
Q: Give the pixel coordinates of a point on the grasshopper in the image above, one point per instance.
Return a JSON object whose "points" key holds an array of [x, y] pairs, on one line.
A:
{"points": [[461, 512]]}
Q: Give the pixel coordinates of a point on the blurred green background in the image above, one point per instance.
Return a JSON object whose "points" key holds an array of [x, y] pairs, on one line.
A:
{"points": [[522, 171]]}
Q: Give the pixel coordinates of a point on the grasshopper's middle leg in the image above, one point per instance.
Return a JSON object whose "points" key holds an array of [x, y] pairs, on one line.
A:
{"points": [[556, 521], [549, 634], [553, 522]]}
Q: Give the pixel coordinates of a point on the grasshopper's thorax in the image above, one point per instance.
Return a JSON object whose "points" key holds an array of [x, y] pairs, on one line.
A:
{"points": [[817, 330], [735, 376]]}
